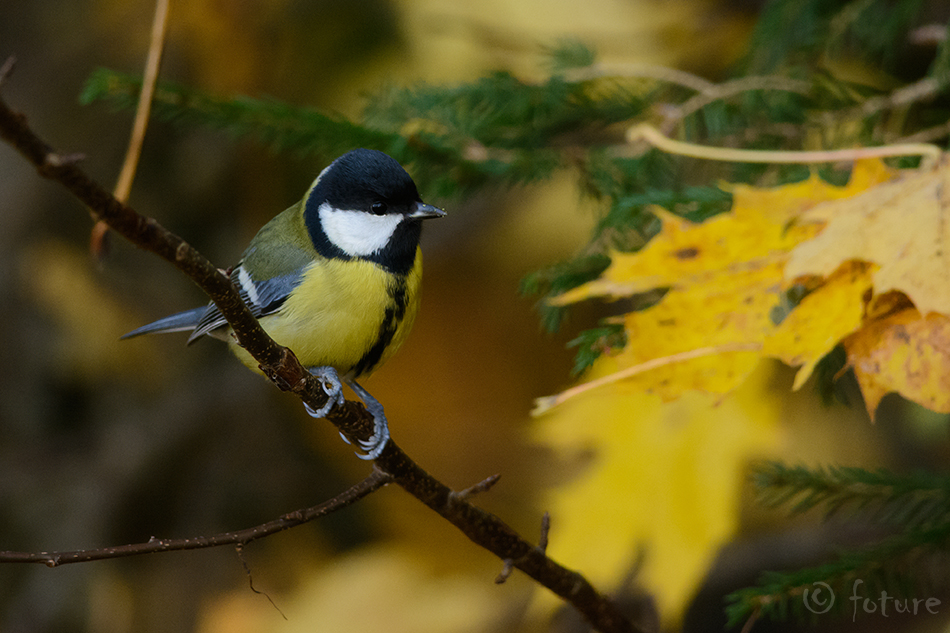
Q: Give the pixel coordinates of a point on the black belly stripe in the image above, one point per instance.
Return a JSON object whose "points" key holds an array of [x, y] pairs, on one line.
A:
{"points": [[387, 328]]}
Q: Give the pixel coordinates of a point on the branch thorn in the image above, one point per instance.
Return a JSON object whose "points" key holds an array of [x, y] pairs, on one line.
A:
{"points": [[483, 486]]}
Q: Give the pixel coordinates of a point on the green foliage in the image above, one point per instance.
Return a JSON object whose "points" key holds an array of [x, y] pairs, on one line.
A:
{"points": [[696, 204], [569, 54], [497, 131], [560, 278], [913, 501], [503, 112], [916, 505], [592, 343], [896, 565], [797, 36], [270, 122]]}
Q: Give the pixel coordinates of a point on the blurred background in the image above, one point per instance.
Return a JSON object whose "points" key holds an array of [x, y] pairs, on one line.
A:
{"points": [[105, 442]]}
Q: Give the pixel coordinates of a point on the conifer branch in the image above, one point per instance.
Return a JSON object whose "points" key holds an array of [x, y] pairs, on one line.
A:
{"points": [[900, 564], [279, 363], [640, 71], [913, 500], [903, 565], [271, 122]]}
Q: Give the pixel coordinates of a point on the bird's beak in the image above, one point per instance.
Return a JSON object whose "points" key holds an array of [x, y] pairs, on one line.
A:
{"points": [[422, 211]]}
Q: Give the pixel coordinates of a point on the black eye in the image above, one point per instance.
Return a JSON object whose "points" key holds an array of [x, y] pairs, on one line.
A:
{"points": [[378, 207]]}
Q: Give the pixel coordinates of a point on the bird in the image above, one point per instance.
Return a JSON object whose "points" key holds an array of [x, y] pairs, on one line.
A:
{"points": [[336, 278]]}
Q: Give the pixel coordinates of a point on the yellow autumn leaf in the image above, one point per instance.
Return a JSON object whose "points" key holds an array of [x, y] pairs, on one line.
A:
{"points": [[780, 205], [733, 311], [904, 352], [664, 482], [902, 226], [685, 254], [725, 277], [821, 320], [753, 235]]}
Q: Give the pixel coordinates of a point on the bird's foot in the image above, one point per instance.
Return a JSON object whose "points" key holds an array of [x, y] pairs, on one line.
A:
{"points": [[330, 382], [377, 442]]}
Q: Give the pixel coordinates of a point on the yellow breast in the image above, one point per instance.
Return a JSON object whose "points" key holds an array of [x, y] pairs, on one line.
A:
{"points": [[348, 314]]}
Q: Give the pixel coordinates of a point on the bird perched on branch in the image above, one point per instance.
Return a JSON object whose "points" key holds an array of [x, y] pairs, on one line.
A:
{"points": [[335, 278]]}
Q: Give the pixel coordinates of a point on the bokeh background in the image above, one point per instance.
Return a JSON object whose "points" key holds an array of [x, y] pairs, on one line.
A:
{"points": [[106, 442]]}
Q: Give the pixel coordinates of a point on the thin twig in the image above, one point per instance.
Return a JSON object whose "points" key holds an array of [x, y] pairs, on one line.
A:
{"points": [[717, 92], [545, 530], [483, 486], [144, 108], [542, 405], [926, 88], [649, 134], [376, 480], [928, 135], [239, 550], [750, 622], [641, 71], [509, 564], [97, 240]]}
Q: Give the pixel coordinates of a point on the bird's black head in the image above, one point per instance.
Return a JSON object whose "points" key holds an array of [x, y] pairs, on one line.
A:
{"points": [[365, 205]]}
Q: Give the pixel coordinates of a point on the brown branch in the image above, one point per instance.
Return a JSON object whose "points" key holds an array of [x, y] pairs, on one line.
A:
{"points": [[376, 480], [717, 92], [279, 363], [98, 239], [509, 565]]}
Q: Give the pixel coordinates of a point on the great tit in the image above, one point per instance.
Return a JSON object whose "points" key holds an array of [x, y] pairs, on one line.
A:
{"points": [[336, 278]]}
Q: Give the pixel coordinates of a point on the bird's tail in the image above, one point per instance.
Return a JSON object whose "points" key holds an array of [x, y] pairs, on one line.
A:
{"points": [[182, 322]]}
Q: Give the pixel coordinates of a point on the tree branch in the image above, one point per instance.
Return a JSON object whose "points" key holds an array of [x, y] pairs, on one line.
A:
{"points": [[280, 364], [376, 480]]}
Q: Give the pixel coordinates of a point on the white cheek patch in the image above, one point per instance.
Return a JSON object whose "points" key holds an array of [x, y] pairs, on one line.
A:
{"points": [[356, 233]]}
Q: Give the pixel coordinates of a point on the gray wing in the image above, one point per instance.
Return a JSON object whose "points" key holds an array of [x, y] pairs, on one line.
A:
{"points": [[262, 297], [283, 262]]}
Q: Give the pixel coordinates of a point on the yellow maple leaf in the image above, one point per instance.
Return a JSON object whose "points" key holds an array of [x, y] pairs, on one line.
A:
{"points": [[903, 226], [665, 481], [735, 310], [821, 320], [780, 205], [904, 352], [685, 254], [725, 275]]}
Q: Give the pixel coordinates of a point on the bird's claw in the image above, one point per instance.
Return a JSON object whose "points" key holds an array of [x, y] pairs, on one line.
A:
{"points": [[330, 382], [331, 385], [374, 446]]}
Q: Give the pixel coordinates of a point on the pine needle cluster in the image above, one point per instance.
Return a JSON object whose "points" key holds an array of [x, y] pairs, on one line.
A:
{"points": [[913, 510]]}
